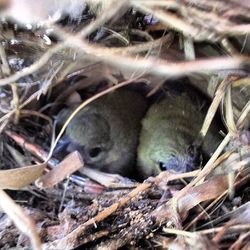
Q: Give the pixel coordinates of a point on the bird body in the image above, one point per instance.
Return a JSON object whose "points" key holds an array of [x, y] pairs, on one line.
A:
{"points": [[106, 131], [168, 136]]}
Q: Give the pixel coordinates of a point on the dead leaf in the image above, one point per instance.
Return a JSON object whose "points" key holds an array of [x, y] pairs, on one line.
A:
{"points": [[65, 168], [20, 177]]}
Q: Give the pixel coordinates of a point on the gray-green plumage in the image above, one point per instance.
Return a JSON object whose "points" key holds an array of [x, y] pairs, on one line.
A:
{"points": [[169, 132], [106, 131]]}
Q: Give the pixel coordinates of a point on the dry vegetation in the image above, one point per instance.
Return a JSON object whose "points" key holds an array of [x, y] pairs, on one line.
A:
{"points": [[96, 49]]}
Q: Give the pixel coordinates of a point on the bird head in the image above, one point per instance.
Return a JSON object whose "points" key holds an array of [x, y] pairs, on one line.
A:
{"points": [[89, 134], [168, 149]]}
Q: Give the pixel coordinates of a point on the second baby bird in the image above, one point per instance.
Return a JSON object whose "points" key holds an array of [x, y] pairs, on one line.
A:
{"points": [[169, 133]]}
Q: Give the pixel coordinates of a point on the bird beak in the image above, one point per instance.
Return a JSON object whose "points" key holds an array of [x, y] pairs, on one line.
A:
{"points": [[61, 145]]}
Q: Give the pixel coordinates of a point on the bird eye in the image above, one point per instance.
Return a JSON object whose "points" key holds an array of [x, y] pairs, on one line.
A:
{"points": [[170, 165], [94, 152], [162, 166]]}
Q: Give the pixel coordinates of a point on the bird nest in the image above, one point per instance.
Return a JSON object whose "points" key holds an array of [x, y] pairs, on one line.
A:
{"points": [[55, 52]]}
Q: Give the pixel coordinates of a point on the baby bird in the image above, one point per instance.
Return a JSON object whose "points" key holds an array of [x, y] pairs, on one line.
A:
{"points": [[106, 131], [168, 136]]}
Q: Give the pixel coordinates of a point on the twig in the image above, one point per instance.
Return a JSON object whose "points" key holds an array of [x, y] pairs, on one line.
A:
{"points": [[30, 99], [34, 67], [26, 112], [7, 72], [237, 183], [142, 47], [23, 222], [157, 67], [214, 106], [237, 244], [169, 19], [45, 57], [231, 229], [70, 240]]}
